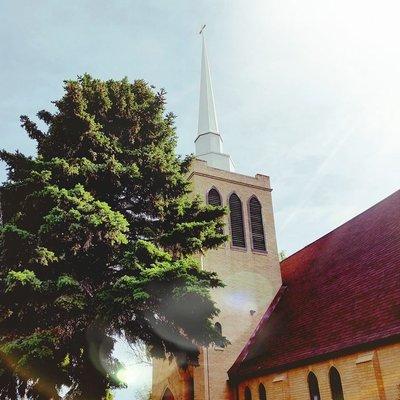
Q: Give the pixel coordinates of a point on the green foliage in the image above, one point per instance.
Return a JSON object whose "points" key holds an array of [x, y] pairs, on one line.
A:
{"points": [[109, 396], [21, 280], [100, 238], [34, 348]]}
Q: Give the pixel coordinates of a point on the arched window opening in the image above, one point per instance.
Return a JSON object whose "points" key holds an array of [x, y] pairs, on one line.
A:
{"points": [[247, 393], [168, 395], [256, 225], [313, 386], [218, 328], [214, 198], [262, 394], [236, 215], [335, 384]]}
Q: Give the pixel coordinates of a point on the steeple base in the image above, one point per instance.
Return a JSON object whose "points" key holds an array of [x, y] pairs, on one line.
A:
{"points": [[209, 149], [217, 160]]}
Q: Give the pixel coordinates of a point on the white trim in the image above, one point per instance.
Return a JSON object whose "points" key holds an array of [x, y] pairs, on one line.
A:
{"points": [[280, 378], [366, 357]]}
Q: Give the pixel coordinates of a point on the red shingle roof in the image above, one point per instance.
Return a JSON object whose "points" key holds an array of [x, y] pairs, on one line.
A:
{"points": [[339, 293]]}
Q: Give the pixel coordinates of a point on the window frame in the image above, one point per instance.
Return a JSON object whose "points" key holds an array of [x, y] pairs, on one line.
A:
{"points": [[331, 369], [261, 386], [312, 374], [251, 227], [247, 393], [218, 327], [222, 232], [219, 194], [233, 247]]}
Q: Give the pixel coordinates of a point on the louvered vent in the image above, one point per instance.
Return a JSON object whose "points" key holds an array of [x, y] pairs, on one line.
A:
{"points": [[214, 198], [237, 228], [256, 222]]}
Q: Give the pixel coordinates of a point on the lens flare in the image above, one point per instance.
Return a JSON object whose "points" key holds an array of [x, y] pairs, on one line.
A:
{"points": [[127, 375]]}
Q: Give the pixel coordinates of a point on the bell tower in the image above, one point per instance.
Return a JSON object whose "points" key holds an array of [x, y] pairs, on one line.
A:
{"points": [[247, 263]]}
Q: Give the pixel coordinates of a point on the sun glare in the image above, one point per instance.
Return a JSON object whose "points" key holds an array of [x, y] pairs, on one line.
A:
{"points": [[134, 375]]}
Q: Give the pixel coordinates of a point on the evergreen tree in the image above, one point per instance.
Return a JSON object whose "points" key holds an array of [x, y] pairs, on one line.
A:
{"points": [[100, 237]]}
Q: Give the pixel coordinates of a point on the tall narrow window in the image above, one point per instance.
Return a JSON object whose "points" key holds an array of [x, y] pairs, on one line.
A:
{"points": [[218, 328], [191, 388], [214, 198], [256, 225], [247, 393], [236, 215], [262, 394], [313, 386], [336, 384]]}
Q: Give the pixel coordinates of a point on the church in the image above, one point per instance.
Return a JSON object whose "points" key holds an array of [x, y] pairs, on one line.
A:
{"points": [[323, 324]]}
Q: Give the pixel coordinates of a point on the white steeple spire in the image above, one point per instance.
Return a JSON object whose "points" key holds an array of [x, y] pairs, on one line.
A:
{"points": [[207, 114], [209, 141]]}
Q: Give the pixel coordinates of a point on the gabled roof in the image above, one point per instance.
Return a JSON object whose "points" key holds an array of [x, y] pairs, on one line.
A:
{"points": [[341, 293]]}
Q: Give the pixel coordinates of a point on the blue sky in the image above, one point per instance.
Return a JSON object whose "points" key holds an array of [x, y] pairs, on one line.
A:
{"points": [[306, 92]]}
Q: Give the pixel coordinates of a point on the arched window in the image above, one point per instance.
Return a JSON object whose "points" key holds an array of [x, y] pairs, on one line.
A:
{"points": [[313, 386], [236, 215], [214, 198], [168, 395], [247, 393], [218, 328], [336, 384], [262, 394], [256, 225]]}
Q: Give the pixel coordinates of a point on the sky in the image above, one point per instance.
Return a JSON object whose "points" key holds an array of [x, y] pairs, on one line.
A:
{"points": [[306, 92]]}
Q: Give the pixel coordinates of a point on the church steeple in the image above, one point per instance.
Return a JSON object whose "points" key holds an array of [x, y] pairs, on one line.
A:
{"points": [[207, 114], [209, 141]]}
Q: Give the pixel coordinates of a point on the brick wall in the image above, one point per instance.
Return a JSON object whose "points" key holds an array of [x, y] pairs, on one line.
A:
{"points": [[371, 375], [252, 279]]}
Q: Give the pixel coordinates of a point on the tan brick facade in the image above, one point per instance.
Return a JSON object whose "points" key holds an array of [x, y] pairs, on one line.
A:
{"points": [[366, 375], [252, 278]]}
